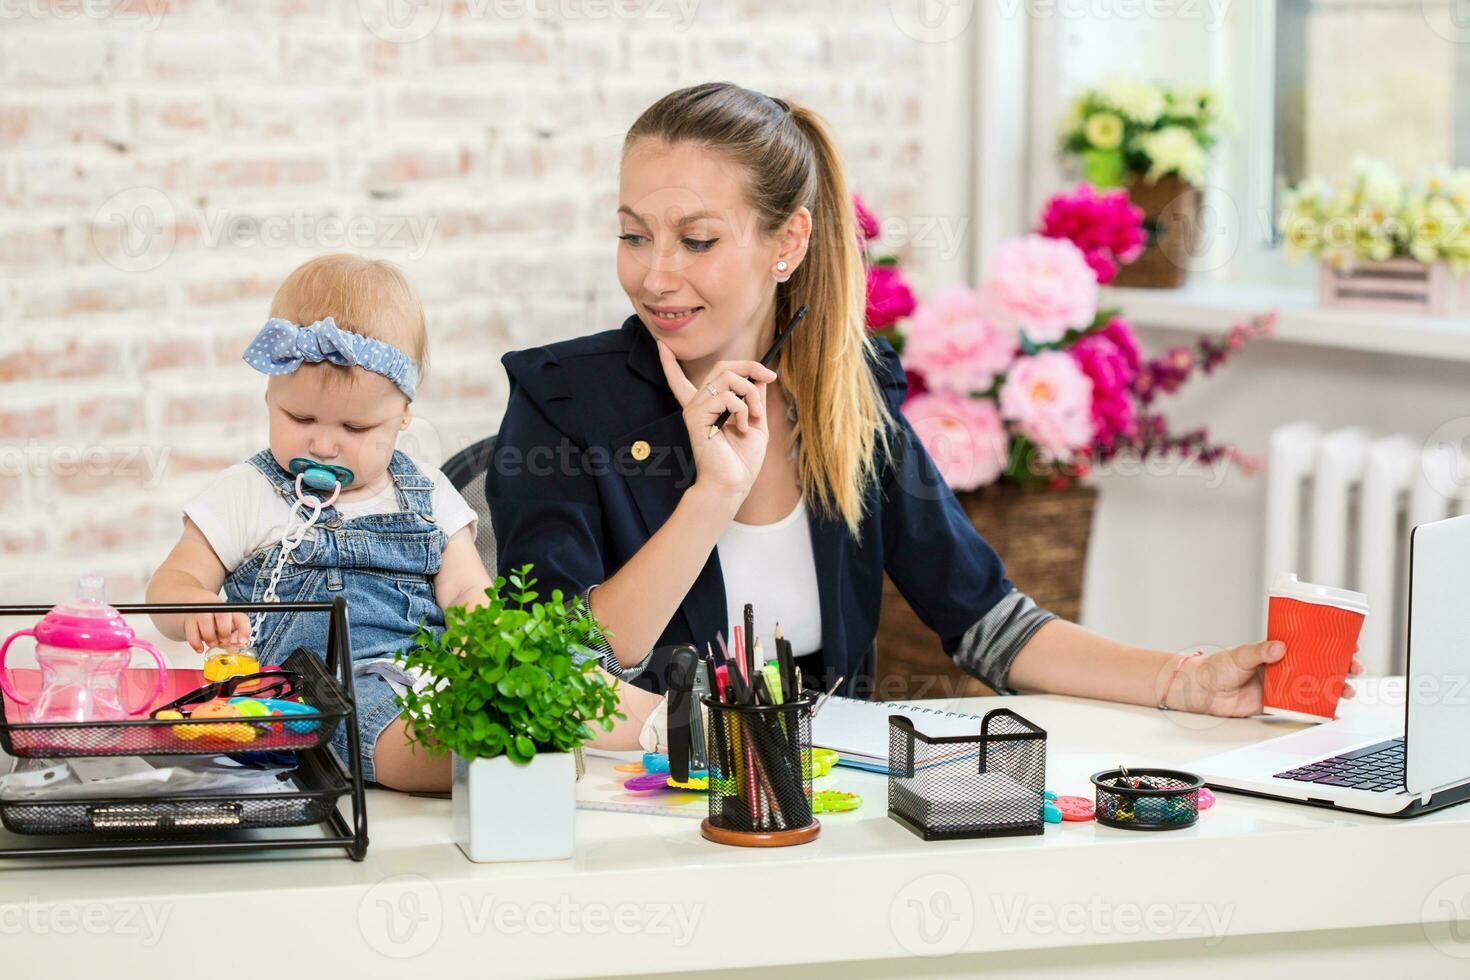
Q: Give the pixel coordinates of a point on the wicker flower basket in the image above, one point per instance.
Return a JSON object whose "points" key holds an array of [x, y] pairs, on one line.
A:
{"points": [[1171, 215], [1395, 286], [1042, 538]]}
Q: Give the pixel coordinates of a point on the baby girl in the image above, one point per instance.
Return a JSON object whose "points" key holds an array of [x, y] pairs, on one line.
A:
{"points": [[344, 349]]}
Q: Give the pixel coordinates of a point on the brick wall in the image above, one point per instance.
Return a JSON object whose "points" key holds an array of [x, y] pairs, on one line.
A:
{"points": [[164, 163]]}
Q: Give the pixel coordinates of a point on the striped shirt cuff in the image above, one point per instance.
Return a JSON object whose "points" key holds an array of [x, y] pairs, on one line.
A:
{"points": [[602, 649], [988, 648]]}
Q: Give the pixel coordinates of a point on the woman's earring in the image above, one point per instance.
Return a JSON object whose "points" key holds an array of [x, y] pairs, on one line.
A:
{"points": [[780, 268]]}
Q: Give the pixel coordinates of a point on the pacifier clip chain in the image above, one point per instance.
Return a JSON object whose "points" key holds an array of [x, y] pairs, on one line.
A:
{"points": [[297, 527]]}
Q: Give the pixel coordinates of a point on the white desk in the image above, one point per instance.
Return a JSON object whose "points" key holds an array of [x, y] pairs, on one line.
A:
{"points": [[1256, 888]]}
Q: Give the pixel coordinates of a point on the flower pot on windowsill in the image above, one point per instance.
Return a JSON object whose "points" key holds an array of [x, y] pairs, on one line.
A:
{"points": [[1400, 285], [1040, 535], [509, 812], [1171, 216]]}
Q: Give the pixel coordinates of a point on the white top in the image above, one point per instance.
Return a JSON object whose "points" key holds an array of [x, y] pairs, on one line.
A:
{"points": [[240, 512], [646, 892], [772, 567]]}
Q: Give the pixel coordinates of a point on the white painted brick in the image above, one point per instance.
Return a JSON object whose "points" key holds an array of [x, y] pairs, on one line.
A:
{"points": [[48, 119], [321, 56], [56, 58], [207, 57], [501, 132]]}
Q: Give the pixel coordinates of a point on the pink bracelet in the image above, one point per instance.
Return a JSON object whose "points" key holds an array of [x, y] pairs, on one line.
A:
{"points": [[1174, 675]]}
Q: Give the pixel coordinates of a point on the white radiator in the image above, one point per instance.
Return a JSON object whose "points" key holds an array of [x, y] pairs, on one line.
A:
{"points": [[1339, 507]]}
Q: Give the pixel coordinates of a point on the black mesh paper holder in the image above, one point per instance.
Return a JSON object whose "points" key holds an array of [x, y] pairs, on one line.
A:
{"points": [[958, 787]]}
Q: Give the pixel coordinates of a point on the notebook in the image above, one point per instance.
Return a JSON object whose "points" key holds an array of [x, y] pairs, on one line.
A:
{"points": [[601, 788], [858, 730]]}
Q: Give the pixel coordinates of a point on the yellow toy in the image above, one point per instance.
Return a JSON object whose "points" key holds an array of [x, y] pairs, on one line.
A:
{"points": [[217, 708], [700, 783], [224, 664]]}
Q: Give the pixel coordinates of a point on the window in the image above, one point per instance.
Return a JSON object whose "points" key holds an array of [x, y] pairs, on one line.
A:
{"points": [[1385, 78]]}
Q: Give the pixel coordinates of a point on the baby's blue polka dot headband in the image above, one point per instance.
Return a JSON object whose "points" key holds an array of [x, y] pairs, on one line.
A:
{"points": [[282, 346]]}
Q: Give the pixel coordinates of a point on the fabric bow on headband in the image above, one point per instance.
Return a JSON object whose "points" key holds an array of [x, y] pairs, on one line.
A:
{"points": [[282, 346]]}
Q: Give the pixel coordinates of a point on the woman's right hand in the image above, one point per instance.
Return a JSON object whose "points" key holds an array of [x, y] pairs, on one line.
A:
{"points": [[729, 462]]}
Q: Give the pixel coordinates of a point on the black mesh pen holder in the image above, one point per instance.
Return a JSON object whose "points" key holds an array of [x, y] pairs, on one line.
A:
{"points": [[760, 774], [955, 787], [1147, 799]]}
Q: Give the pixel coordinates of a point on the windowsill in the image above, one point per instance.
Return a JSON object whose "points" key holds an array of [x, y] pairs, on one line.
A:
{"points": [[1211, 306]]}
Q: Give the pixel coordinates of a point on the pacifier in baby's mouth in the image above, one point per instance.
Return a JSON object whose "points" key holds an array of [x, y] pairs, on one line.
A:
{"points": [[321, 476]]}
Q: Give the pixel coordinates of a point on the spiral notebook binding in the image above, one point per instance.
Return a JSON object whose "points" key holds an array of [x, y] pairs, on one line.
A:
{"points": [[862, 739], [890, 708]]}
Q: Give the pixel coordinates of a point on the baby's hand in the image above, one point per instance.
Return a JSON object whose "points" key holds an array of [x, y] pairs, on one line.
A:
{"points": [[228, 630]]}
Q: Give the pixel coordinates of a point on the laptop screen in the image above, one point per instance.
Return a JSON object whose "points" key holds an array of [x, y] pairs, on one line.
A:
{"points": [[1437, 713]]}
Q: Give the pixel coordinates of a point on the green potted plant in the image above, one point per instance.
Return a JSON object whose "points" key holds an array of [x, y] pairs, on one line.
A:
{"points": [[514, 692]]}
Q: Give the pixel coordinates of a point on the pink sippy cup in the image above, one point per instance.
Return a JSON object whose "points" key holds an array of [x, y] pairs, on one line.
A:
{"points": [[82, 648]]}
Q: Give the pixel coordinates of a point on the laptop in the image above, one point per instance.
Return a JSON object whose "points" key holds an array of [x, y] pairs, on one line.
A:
{"points": [[1394, 760]]}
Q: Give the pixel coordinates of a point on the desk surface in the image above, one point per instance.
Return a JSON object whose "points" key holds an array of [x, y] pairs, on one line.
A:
{"points": [[647, 893]]}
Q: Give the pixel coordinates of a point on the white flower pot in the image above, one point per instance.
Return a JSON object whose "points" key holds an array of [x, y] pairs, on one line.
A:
{"points": [[506, 812]]}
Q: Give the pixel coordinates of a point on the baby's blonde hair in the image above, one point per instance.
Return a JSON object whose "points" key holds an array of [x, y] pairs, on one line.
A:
{"points": [[366, 296]]}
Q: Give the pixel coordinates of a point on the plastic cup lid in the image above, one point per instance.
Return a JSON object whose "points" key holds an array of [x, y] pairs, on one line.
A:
{"points": [[1288, 586], [87, 622]]}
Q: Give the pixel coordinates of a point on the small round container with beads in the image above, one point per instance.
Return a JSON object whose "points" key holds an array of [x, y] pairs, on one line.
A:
{"points": [[1147, 799]]}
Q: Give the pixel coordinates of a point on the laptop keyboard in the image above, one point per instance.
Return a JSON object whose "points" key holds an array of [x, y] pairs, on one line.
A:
{"points": [[1376, 768]]}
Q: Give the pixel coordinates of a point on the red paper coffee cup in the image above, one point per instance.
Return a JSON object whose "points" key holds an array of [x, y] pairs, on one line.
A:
{"points": [[1319, 625]]}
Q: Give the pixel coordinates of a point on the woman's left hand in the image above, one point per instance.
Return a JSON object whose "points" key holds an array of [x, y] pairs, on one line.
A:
{"points": [[1228, 683]]}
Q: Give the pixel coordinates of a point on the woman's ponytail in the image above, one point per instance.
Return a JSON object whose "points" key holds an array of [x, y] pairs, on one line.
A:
{"points": [[841, 415]]}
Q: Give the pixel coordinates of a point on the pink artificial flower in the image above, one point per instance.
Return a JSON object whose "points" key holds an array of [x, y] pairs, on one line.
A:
{"points": [[867, 221], [1119, 333], [1103, 267], [1107, 228], [1050, 400], [955, 345], [889, 297], [1110, 359], [965, 437], [1042, 287]]}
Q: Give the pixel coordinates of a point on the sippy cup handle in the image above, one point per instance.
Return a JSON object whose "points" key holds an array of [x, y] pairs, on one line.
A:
{"points": [[162, 677], [4, 676]]}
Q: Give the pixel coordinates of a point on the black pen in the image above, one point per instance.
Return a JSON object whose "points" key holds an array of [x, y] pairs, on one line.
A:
{"points": [[751, 667], [716, 716], [787, 664], [766, 361]]}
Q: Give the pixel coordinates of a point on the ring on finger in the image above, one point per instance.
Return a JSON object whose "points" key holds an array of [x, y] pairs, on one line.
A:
{"points": [[712, 389]]}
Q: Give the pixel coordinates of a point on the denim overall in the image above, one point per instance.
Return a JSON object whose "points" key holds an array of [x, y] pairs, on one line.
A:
{"points": [[383, 563]]}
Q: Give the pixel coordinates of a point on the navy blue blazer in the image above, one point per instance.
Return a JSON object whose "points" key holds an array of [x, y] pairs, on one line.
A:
{"points": [[566, 494]]}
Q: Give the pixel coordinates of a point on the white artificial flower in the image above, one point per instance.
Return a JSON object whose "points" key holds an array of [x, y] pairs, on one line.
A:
{"points": [[1302, 234], [1378, 184], [1458, 187], [1424, 251], [1174, 149], [1140, 101]]}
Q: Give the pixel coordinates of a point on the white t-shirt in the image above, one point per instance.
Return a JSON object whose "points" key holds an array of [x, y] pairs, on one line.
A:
{"points": [[240, 512], [773, 567]]}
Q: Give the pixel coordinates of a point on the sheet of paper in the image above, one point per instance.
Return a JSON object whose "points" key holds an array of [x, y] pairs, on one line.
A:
{"points": [[93, 769]]}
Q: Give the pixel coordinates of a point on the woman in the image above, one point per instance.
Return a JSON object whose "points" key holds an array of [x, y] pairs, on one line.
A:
{"points": [[734, 212]]}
